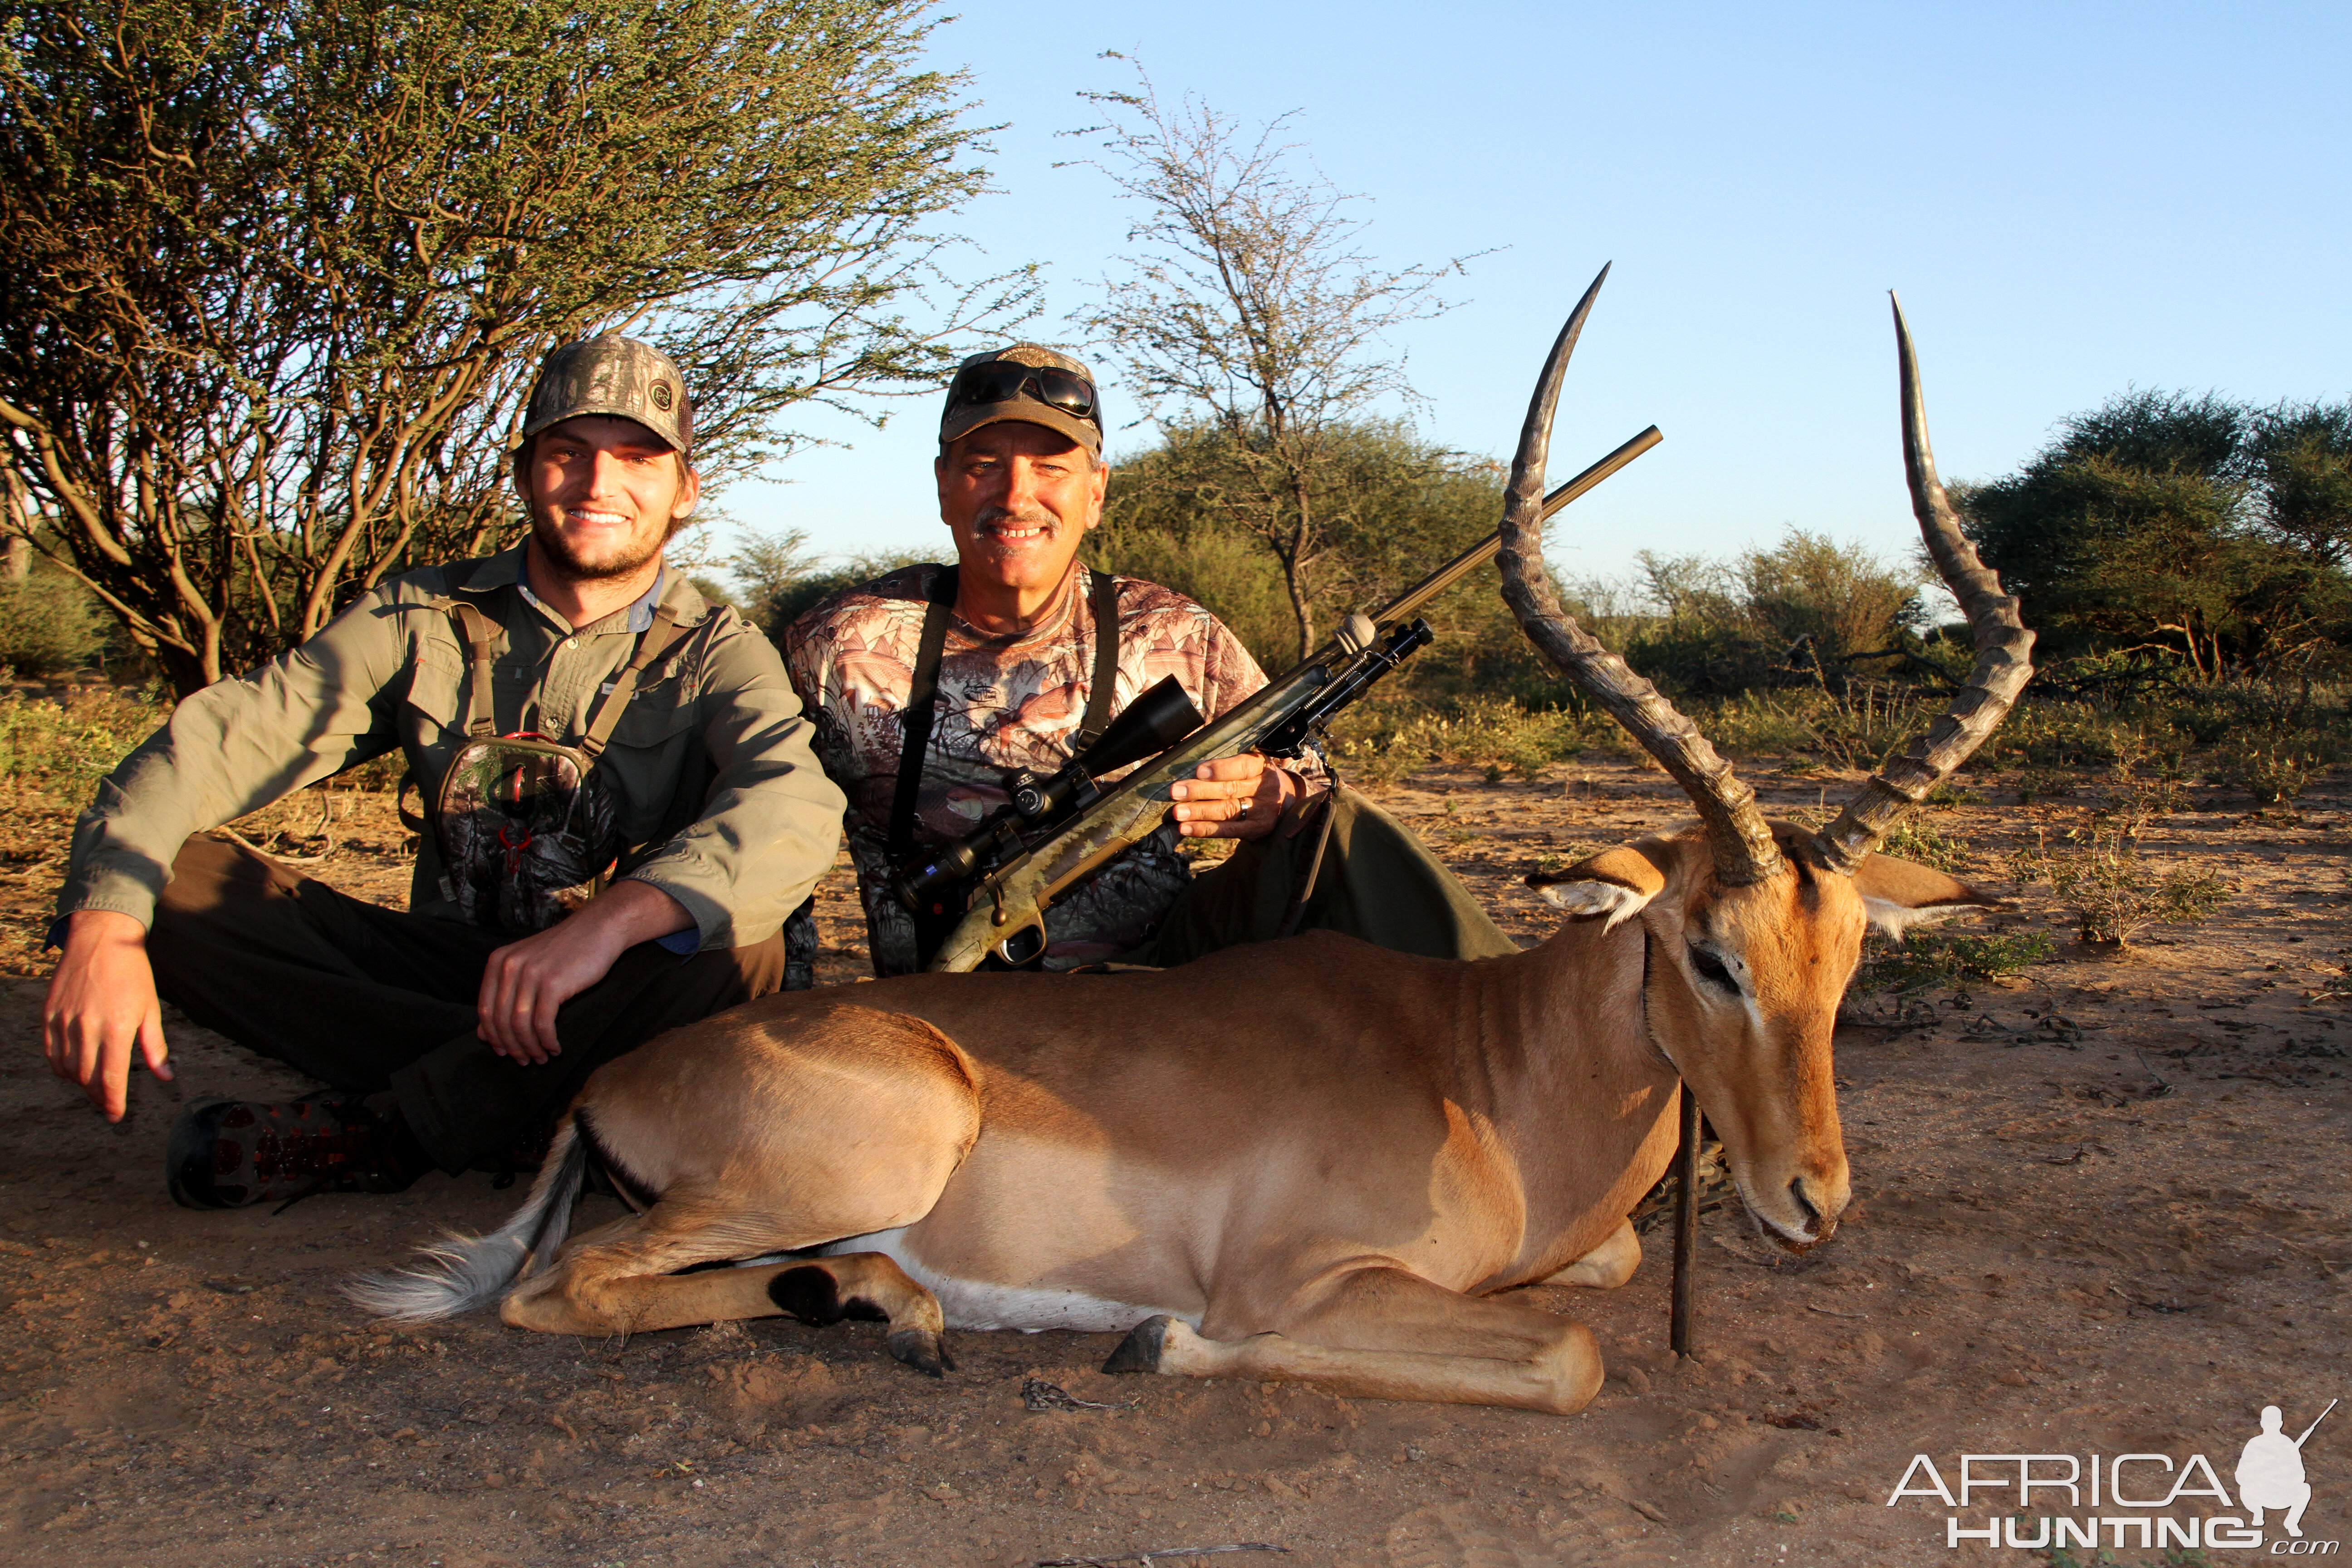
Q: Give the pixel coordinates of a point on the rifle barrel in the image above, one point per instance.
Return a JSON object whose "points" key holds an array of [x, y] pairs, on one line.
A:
{"points": [[2315, 1423], [1478, 554]]}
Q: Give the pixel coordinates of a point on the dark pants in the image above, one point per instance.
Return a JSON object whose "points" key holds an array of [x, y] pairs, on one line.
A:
{"points": [[1376, 881], [369, 998]]}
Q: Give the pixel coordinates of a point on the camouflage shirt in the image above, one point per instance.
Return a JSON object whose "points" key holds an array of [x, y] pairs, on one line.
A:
{"points": [[1004, 703]]}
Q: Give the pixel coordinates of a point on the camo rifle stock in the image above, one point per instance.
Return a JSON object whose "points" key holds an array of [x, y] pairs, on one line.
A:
{"points": [[1006, 915]]}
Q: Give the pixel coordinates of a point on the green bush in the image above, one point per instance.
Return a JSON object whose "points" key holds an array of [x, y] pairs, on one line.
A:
{"points": [[1759, 723], [1379, 744], [55, 753], [1923, 843], [2117, 892], [2272, 769], [49, 625], [1923, 961]]}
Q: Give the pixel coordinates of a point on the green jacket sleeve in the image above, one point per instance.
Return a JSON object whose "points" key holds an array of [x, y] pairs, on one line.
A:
{"points": [[770, 821], [233, 747]]}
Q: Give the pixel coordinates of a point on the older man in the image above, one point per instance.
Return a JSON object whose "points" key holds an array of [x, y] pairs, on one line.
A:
{"points": [[929, 685], [588, 702]]}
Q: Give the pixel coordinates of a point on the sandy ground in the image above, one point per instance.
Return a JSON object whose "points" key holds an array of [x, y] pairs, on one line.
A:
{"points": [[2100, 1211]]}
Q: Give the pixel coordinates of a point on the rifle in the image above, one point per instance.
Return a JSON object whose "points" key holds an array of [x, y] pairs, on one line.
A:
{"points": [[1086, 826]]}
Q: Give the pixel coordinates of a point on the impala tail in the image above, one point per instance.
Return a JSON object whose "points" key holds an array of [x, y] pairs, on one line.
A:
{"points": [[461, 1273]]}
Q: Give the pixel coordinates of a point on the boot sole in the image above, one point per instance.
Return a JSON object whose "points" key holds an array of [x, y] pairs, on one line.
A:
{"points": [[190, 1155]]}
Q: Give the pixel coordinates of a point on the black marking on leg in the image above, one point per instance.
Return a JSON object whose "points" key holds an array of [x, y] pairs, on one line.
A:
{"points": [[1141, 1349], [808, 1293], [864, 1310]]}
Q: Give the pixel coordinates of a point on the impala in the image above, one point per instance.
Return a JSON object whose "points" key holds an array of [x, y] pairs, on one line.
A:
{"points": [[1307, 1159]]}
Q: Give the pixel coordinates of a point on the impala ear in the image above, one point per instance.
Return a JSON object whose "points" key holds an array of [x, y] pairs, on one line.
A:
{"points": [[1616, 883], [1897, 895]]}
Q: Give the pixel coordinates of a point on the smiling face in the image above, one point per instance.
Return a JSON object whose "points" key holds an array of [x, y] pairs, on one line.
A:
{"points": [[1019, 498], [604, 495]]}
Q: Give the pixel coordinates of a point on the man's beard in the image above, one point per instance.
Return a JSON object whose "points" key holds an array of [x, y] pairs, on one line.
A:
{"points": [[560, 554]]}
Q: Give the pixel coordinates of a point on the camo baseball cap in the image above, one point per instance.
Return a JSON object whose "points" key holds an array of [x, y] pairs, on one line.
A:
{"points": [[992, 388], [613, 376]]}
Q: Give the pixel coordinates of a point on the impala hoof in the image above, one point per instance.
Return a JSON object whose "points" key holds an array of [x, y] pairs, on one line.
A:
{"points": [[923, 1350], [1141, 1351]]}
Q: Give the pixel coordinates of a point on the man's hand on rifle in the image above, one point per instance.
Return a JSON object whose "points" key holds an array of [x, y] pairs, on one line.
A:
{"points": [[1234, 797], [101, 1003]]}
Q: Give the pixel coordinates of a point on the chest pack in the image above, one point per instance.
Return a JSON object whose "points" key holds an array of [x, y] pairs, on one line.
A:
{"points": [[529, 830]]}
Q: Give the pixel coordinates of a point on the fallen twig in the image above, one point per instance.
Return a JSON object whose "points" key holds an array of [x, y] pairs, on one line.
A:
{"points": [[1038, 1395], [273, 854], [1832, 1311]]}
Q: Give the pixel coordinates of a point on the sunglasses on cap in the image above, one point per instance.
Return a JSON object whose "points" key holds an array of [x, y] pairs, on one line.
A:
{"points": [[1008, 381]]}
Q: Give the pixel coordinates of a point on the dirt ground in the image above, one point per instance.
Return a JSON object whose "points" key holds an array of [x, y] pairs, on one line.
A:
{"points": [[2101, 1211]]}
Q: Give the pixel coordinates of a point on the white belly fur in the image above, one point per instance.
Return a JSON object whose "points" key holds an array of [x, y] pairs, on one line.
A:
{"points": [[974, 1304]]}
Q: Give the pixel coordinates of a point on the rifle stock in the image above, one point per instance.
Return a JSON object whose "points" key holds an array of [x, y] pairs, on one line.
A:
{"points": [[1007, 913]]}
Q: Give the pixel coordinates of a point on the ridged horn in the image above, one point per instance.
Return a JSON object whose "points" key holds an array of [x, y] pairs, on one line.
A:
{"points": [[1744, 851], [2004, 647]]}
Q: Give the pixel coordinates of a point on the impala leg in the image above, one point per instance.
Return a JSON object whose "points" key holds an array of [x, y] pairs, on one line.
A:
{"points": [[622, 1278], [845, 1130], [867, 1285], [1383, 1333], [619, 1280], [1607, 1265]]}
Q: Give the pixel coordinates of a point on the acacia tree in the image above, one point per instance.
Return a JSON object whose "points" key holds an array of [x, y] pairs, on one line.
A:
{"points": [[1390, 503], [2192, 525], [275, 277], [1247, 301]]}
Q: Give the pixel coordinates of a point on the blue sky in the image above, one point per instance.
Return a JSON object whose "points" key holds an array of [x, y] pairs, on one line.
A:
{"points": [[2071, 200]]}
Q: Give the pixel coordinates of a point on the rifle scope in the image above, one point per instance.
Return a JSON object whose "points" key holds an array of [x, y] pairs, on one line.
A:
{"points": [[1154, 721]]}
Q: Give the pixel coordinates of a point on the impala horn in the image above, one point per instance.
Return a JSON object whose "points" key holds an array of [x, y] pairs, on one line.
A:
{"points": [[2002, 666], [1736, 829]]}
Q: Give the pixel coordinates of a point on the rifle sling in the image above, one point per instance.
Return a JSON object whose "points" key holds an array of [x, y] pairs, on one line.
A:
{"points": [[922, 697], [1103, 688]]}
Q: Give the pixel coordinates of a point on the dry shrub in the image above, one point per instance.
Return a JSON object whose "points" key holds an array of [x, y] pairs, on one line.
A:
{"points": [[49, 625], [55, 753], [1923, 843], [1922, 961], [2271, 771], [2115, 891], [1381, 745], [2132, 802]]}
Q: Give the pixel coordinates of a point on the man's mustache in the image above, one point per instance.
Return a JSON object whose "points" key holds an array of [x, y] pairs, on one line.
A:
{"points": [[1029, 516]]}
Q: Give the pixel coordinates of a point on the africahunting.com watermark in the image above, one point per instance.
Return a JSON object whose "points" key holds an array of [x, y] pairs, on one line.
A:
{"points": [[2149, 1503]]}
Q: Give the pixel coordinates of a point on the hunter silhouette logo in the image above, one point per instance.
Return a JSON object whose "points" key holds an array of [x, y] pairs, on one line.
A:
{"points": [[2270, 1471]]}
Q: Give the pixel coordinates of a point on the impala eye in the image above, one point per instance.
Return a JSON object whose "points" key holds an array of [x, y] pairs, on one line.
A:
{"points": [[1712, 969]]}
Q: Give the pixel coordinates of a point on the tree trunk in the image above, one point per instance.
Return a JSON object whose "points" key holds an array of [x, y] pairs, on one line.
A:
{"points": [[1294, 564]]}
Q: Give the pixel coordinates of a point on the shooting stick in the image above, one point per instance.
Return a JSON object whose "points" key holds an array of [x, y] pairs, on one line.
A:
{"points": [[1686, 1224]]}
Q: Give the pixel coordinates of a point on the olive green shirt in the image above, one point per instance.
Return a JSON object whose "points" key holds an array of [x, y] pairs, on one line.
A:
{"points": [[710, 762]]}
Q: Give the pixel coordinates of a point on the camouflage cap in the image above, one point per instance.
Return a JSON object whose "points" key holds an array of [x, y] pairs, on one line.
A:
{"points": [[613, 376], [962, 415]]}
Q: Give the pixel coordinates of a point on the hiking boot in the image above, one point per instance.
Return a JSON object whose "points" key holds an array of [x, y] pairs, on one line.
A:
{"points": [[228, 1154]]}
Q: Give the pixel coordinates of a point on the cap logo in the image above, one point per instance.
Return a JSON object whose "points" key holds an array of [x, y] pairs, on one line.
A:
{"points": [[661, 394]]}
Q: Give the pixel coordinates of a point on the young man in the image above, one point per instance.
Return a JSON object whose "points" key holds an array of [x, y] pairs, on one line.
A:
{"points": [[454, 1032], [1019, 630]]}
